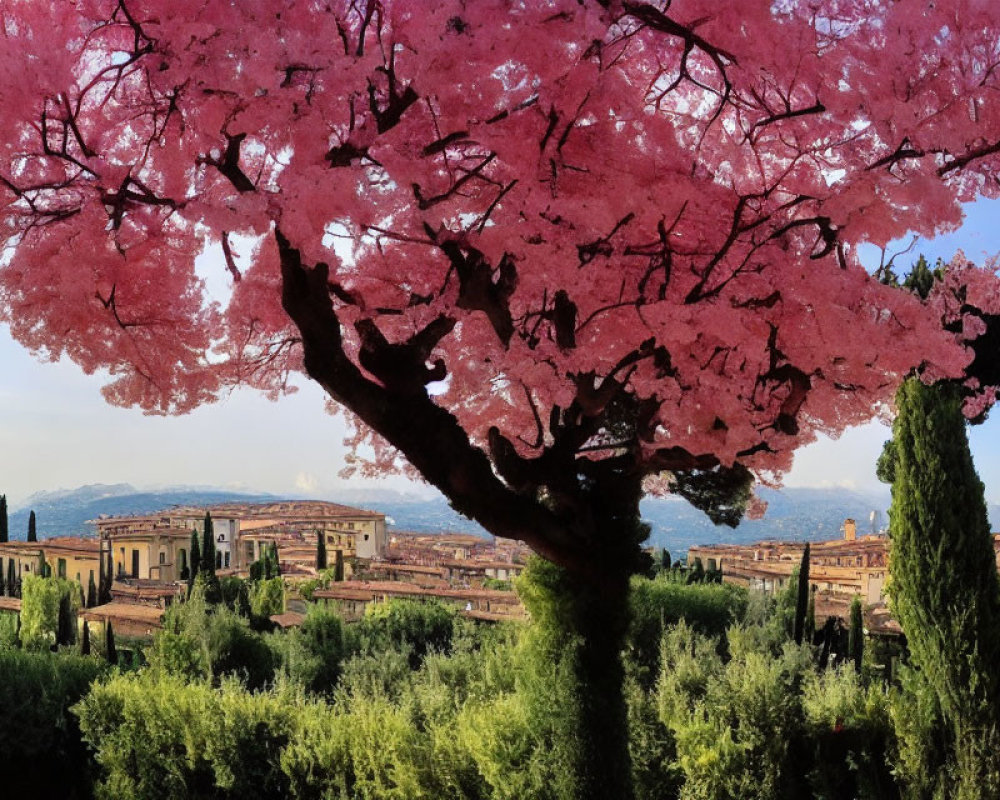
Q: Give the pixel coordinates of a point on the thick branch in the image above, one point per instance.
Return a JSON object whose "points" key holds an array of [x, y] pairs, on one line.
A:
{"points": [[427, 435]]}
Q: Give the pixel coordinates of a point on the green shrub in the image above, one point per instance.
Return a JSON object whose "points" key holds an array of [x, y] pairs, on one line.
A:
{"points": [[161, 736], [313, 653], [416, 626], [660, 603], [40, 602], [40, 744]]}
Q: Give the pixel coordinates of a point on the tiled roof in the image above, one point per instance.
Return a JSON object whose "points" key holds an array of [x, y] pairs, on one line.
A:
{"points": [[130, 612]]}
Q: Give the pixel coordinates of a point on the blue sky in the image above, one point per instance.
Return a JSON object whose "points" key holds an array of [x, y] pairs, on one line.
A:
{"points": [[57, 432]]}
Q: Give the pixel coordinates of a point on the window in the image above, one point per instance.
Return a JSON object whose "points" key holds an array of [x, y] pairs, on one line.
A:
{"points": [[61, 568], [227, 559], [163, 557]]}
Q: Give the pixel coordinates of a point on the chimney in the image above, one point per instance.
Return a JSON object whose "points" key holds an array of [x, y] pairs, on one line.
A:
{"points": [[850, 530]]}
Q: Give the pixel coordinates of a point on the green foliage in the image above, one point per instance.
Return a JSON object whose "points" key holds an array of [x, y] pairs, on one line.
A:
{"points": [[207, 555], [195, 549], [157, 735], [267, 597], [200, 640], [110, 650], [235, 593], [320, 551], [415, 626], [371, 751], [338, 566], [4, 522], [856, 640], [801, 597], [658, 604], [314, 651], [9, 635], [66, 620], [39, 739], [945, 593], [32, 532], [809, 627], [497, 585], [106, 579], [208, 586], [851, 736], [266, 567], [760, 725], [722, 492], [40, 603]]}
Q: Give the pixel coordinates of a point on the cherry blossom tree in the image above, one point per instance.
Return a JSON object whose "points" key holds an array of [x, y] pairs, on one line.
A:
{"points": [[547, 253]]}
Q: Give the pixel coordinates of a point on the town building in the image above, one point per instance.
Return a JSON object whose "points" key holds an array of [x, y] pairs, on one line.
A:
{"points": [[71, 557], [844, 567], [156, 546], [352, 598]]}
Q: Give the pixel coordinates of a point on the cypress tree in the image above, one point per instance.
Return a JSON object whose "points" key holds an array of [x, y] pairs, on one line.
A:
{"points": [[273, 569], [91, 592], [85, 640], [64, 621], [697, 573], [195, 559], [208, 547], [944, 591], [110, 653], [4, 529], [184, 573], [809, 634], [320, 550], [3, 581], [338, 566], [856, 635], [32, 534], [106, 579], [11, 579], [801, 598]]}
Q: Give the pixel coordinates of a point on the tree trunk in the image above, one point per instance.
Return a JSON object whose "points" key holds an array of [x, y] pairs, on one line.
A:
{"points": [[589, 610], [601, 617]]}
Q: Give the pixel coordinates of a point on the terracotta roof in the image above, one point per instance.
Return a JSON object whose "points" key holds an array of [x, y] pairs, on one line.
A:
{"points": [[280, 510], [290, 619], [343, 592], [373, 588], [90, 543], [10, 604], [167, 531], [130, 612], [423, 569]]}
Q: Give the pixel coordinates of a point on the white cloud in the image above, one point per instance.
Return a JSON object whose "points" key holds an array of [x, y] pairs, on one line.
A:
{"points": [[306, 482]]}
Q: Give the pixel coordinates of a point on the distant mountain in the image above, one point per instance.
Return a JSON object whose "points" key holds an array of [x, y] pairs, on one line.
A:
{"points": [[793, 514], [65, 512]]}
